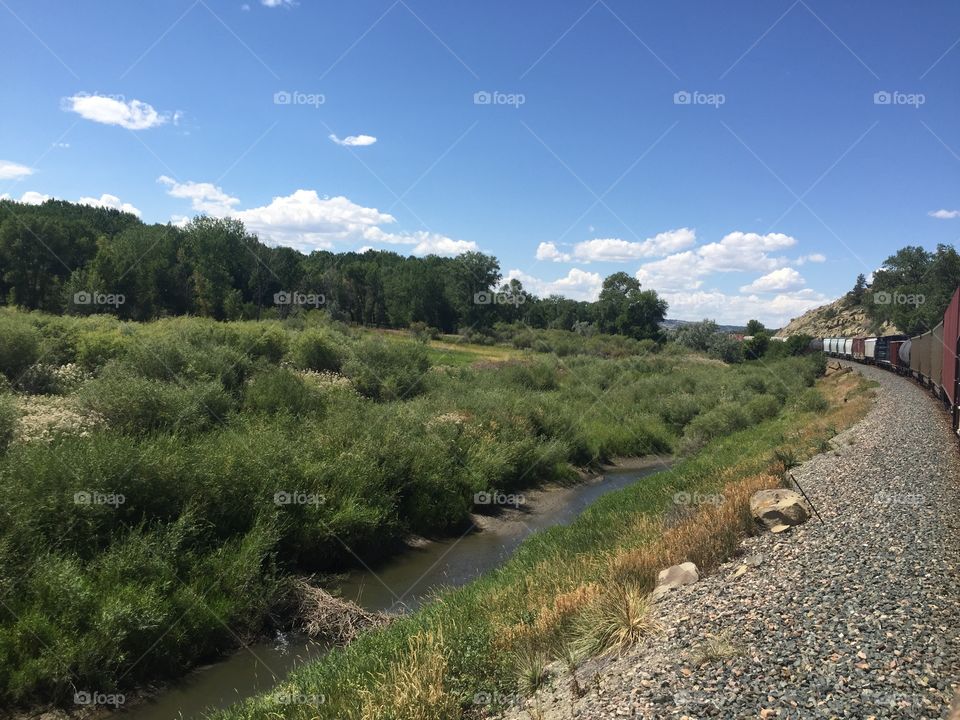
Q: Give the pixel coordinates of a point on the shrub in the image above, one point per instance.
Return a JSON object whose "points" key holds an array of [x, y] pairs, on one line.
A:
{"points": [[763, 407], [812, 401], [98, 346], [313, 350], [278, 390], [532, 376], [8, 420], [387, 370], [19, 346], [135, 404]]}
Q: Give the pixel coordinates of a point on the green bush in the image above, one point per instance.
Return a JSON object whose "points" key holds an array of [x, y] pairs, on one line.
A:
{"points": [[8, 420], [811, 400], [313, 350], [277, 390], [19, 346], [388, 370], [532, 376]]}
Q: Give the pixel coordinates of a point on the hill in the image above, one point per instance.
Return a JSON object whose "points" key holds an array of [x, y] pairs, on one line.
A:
{"points": [[837, 319]]}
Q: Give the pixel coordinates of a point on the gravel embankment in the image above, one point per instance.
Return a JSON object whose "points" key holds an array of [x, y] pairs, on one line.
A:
{"points": [[857, 617]]}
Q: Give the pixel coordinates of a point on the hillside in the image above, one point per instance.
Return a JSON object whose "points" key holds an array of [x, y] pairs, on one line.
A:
{"points": [[835, 320]]}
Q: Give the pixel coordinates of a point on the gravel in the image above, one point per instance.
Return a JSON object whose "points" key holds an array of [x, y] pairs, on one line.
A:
{"points": [[856, 617]]}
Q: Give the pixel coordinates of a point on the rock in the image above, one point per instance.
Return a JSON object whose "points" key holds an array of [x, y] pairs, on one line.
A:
{"points": [[675, 576], [772, 508]]}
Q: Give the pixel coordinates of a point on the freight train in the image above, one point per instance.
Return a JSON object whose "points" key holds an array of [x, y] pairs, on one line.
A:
{"points": [[932, 359]]}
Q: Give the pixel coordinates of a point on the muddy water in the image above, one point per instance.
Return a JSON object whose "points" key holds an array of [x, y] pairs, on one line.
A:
{"points": [[400, 585]]}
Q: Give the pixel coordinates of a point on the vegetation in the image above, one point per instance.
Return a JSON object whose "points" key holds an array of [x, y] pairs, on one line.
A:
{"points": [[567, 592], [61, 257], [177, 478]]}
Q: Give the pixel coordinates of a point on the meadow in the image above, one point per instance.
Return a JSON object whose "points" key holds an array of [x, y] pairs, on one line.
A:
{"points": [[167, 483]]}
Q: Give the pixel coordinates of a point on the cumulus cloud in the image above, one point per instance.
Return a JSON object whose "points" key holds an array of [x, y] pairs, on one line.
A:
{"points": [[549, 251], [354, 140], [109, 201], [735, 252], [617, 250], [307, 221], [34, 198], [132, 115], [730, 309], [813, 257], [277, 3], [203, 197], [782, 279], [577, 284], [944, 214], [12, 171]]}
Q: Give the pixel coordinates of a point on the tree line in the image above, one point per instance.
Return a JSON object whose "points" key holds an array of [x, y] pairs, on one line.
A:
{"points": [[62, 257]]}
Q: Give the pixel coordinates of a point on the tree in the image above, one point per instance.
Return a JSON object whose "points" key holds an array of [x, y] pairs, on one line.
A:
{"points": [[855, 296], [625, 309], [755, 327]]}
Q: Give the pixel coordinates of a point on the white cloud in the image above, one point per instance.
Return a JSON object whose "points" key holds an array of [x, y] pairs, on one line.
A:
{"points": [[944, 214], [737, 309], [354, 140], [203, 197], [549, 251], [11, 170], [577, 284], [277, 3], [617, 250], [307, 221], [109, 201], [735, 252], [133, 115], [813, 257], [782, 279], [34, 198]]}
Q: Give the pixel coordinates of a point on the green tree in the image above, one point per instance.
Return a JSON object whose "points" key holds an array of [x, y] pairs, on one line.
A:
{"points": [[625, 309]]}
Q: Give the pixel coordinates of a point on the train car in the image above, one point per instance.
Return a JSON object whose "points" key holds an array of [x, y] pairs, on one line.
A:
{"points": [[815, 344], [858, 349], [870, 350], [951, 358], [936, 360], [887, 349], [920, 357], [903, 355], [846, 349]]}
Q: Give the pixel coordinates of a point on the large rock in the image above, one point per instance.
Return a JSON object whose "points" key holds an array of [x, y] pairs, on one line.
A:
{"points": [[675, 576], [779, 509]]}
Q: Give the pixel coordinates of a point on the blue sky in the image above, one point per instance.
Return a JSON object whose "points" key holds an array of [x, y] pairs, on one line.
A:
{"points": [[734, 156]]}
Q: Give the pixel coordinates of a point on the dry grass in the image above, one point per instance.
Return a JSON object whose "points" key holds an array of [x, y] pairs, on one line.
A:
{"points": [[414, 687], [613, 621], [716, 648], [331, 619]]}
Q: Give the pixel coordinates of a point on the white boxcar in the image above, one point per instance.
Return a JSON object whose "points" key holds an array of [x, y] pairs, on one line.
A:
{"points": [[847, 347], [870, 349]]}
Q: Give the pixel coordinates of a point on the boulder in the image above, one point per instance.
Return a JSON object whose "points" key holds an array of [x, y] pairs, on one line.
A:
{"points": [[779, 509], [675, 576]]}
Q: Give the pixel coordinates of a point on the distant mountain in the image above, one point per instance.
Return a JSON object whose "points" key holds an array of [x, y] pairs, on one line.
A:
{"points": [[838, 319]]}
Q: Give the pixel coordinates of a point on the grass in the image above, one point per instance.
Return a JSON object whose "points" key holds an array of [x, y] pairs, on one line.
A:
{"points": [[588, 579], [179, 477]]}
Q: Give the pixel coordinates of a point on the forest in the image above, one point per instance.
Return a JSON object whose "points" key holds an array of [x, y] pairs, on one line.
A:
{"points": [[61, 257]]}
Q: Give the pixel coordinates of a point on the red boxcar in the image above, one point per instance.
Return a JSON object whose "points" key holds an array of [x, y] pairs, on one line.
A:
{"points": [[951, 347], [859, 348]]}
